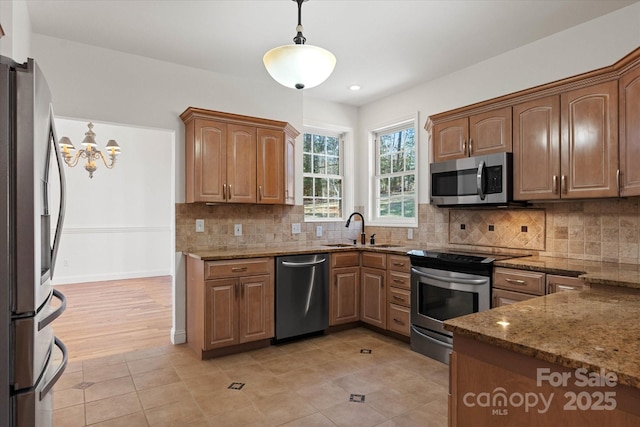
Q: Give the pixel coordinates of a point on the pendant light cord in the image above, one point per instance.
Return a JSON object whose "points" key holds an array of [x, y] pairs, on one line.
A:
{"points": [[299, 38]]}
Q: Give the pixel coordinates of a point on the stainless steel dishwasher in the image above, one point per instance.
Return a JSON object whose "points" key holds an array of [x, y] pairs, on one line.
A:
{"points": [[302, 295]]}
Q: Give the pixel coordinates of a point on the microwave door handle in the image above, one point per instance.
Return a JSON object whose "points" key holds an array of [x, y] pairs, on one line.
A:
{"points": [[480, 180]]}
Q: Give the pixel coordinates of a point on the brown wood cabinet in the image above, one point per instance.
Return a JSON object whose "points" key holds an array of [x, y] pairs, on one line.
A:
{"points": [[512, 285], [373, 297], [629, 91], [238, 159], [557, 283], [344, 290], [229, 303], [566, 146], [399, 294], [478, 134]]}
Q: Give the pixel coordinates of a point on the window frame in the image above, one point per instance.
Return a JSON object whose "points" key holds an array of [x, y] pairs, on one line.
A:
{"points": [[374, 175], [341, 136]]}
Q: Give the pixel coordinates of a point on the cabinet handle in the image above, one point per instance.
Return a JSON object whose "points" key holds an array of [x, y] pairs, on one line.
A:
{"points": [[464, 146], [229, 193], [564, 288], [260, 192], [224, 191], [516, 281], [396, 297], [398, 321], [554, 184], [242, 290], [618, 180], [235, 287], [238, 269], [564, 184], [398, 281], [470, 146], [398, 264]]}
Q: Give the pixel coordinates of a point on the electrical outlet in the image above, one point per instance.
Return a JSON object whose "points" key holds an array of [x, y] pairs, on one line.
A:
{"points": [[199, 225], [295, 228], [237, 230], [318, 231], [410, 233]]}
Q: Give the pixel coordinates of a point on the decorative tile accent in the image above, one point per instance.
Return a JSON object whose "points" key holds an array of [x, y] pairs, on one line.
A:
{"points": [[512, 228], [83, 385], [357, 398], [365, 351], [236, 386]]}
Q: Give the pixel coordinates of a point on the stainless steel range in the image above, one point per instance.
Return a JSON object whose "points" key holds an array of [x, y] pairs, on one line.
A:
{"points": [[445, 285]]}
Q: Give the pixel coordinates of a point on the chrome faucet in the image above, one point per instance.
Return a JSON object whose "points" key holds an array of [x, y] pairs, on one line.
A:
{"points": [[363, 237]]}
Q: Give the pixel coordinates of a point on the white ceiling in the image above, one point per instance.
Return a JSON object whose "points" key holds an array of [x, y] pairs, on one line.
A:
{"points": [[384, 46]]}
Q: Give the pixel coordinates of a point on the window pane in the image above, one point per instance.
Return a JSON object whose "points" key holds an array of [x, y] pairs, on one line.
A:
{"points": [[383, 207], [307, 186], [335, 208], [409, 183], [335, 188], [306, 163], [410, 160], [333, 165], [385, 164], [395, 184], [320, 187], [395, 207], [308, 206], [306, 143], [333, 146], [397, 162], [384, 187], [319, 164], [409, 207], [318, 144]]}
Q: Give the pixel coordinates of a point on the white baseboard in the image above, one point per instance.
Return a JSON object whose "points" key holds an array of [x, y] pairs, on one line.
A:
{"points": [[178, 337], [67, 280]]}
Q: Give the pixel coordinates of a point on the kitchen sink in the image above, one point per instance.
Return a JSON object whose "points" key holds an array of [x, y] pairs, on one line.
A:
{"points": [[386, 245]]}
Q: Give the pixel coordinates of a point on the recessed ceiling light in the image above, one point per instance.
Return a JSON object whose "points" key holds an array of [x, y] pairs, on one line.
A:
{"points": [[354, 87]]}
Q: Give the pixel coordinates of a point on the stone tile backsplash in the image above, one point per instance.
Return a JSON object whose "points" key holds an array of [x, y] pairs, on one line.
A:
{"points": [[599, 230]]}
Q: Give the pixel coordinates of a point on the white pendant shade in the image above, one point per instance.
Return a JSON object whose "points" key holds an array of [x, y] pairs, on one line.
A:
{"points": [[299, 65]]}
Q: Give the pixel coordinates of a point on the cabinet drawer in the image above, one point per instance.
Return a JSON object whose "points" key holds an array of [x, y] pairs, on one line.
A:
{"points": [[399, 296], [374, 260], [529, 282], [399, 263], [398, 319], [501, 297], [564, 283], [345, 259], [236, 268], [399, 279]]}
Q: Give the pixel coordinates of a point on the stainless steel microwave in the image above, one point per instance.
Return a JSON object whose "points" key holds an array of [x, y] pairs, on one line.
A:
{"points": [[473, 181]]}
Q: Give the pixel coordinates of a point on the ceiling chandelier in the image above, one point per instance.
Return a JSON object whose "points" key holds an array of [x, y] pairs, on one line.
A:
{"points": [[90, 152], [299, 65]]}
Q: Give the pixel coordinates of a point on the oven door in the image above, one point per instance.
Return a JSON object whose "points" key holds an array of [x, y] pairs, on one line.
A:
{"points": [[438, 295]]}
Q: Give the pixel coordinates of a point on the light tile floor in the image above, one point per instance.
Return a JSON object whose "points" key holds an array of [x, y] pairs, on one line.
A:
{"points": [[314, 382]]}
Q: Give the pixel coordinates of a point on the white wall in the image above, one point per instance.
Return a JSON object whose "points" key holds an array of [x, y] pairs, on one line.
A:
{"points": [[583, 48], [14, 17], [120, 223]]}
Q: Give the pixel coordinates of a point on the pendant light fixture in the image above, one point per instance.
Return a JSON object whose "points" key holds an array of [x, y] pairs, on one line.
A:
{"points": [[299, 65]]}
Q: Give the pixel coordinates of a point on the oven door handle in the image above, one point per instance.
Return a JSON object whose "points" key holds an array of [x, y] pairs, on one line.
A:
{"points": [[450, 279], [432, 340], [480, 180]]}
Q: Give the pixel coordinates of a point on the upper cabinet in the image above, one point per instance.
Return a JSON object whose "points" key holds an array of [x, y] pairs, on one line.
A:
{"points": [[478, 134], [629, 88], [238, 159], [566, 146]]}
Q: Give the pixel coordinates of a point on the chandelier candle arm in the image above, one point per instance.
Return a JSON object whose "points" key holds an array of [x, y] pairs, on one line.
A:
{"points": [[299, 65], [91, 152]]}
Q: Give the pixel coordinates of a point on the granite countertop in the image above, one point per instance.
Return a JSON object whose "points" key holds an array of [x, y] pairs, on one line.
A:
{"points": [[593, 329], [594, 272], [282, 250]]}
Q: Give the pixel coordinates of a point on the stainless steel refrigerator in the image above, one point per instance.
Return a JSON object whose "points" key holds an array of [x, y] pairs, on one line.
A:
{"points": [[31, 177]]}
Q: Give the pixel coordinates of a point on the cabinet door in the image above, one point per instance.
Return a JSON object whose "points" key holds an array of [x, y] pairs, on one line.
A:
{"points": [[241, 164], [501, 297], [290, 170], [630, 133], [221, 317], [209, 161], [399, 319], [344, 295], [271, 158], [256, 308], [589, 145], [563, 283], [490, 132], [450, 140], [373, 297], [536, 149]]}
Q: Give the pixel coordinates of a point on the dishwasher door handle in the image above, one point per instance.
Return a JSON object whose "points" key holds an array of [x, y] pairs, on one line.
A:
{"points": [[302, 264]]}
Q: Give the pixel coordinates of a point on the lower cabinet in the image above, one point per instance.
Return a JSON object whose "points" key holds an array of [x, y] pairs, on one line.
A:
{"points": [[399, 294], [344, 291], [511, 285], [563, 284], [373, 297], [229, 302]]}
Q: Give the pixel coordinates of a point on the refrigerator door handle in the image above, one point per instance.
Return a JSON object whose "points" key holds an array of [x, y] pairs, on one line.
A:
{"points": [[58, 373], [56, 313], [63, 193]]}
